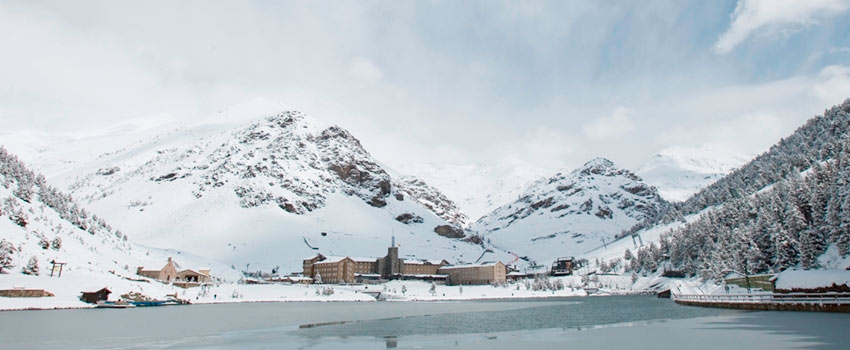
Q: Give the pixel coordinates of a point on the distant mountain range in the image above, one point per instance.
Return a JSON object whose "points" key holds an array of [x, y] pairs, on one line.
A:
{"points": [[270, 191]]}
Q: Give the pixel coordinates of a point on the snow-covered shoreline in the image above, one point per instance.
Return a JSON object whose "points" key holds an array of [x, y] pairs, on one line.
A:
{"points": [[67, 291]]}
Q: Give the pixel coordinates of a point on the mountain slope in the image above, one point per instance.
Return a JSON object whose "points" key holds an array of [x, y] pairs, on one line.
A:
{"points": [[568, 214], [679, 172], [787, 208], [267, 193], [46, 224], [814, 142]]}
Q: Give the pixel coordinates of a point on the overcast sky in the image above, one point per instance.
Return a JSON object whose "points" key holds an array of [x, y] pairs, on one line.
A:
{"points": [[551, 83]]}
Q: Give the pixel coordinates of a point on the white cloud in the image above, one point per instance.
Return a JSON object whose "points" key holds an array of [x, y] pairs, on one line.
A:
{"points": [[783, 16], [619, 123], [365, 70], [833, 84]]}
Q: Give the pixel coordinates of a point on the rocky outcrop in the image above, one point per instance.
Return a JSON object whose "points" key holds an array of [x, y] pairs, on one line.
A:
{"points": [[449, 231], [409, 218], [432, 199]]}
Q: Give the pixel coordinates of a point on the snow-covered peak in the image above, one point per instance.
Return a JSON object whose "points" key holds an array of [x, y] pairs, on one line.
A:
{"points": [[570, 213], [267, 191], [678, 172], [598, 164]]}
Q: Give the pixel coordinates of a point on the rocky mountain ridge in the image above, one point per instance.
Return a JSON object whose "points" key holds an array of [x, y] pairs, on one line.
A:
{"points": [[570, 213], [285, 178]]}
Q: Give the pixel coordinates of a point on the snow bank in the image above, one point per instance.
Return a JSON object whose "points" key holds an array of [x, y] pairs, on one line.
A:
{"points": [[67, 291]]}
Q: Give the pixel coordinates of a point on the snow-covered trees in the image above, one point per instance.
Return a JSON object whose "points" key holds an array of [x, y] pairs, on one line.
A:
{"points": [[26, 185], [32, 267], [788, 225], [820, 139], [6, 252], [56, 243]]}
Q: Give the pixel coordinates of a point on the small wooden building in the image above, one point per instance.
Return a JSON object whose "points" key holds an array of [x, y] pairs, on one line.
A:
{"points": [[94, 297]]}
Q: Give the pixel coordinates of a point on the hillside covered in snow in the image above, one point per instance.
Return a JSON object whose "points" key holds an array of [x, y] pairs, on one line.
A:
{"points": [[786, 209], [42, 224], [270, 193]]}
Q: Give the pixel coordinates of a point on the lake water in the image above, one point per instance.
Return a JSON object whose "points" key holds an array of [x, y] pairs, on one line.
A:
{"points": [[594, 322]]}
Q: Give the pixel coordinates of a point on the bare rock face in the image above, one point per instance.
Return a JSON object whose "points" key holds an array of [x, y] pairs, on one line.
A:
{"points": [[409, 218], [449, 231], [432, 199]]}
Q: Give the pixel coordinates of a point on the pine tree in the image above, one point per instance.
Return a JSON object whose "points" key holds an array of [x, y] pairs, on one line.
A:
{"points": [[6, 252], [785, 248], [32, 267], [628, 255]]}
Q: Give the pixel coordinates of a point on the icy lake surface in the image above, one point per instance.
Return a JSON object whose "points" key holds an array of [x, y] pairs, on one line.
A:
{"points": [[593, 322]]}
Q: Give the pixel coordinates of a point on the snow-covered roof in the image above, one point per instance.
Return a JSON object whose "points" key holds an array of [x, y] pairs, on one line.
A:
{"points": [[312, 257], [195, 272], [423, 262], [811, 279], [361, 259], [469, 266], [332, 259]]}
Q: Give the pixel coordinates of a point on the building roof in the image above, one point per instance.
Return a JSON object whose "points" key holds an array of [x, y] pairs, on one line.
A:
{"points": [[361, 259], [193, 271], [313, 257], [423, 261], [332, 260], [471, 265]]}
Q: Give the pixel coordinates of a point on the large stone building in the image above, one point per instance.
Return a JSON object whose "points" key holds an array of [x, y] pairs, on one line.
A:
{"points": [[344, 269], [334, 270], [170, 274], [474, 274]]}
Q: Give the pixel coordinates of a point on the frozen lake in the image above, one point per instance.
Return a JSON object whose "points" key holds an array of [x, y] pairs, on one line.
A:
{"points": [[592, 322]]}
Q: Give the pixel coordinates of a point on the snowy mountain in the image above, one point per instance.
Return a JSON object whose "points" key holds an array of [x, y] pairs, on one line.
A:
{"points": [[679, 172], [785, 209], [570, 213], [479, 188], [269, 194]]}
